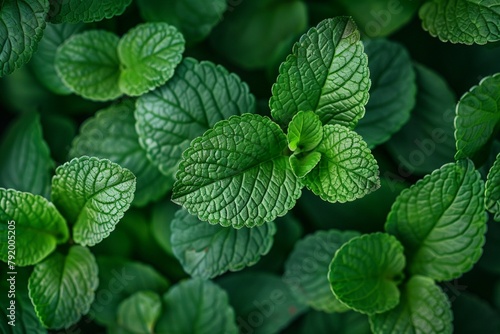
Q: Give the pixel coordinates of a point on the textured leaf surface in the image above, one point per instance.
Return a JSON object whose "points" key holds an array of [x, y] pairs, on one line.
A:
{"points": [[88, 64], [93, 195], [424, 308], [21, 27], [149, 54], [462, 21], [139, 312], [38, 226], [366, 271], [85, 10], [99, 136], [392, 93], [199, 95], [198, 307], [236, 174], [327, 73], [347, 169], [339, 323], [492, 190], [62, 287], [306, 269], [303, 163], [478, 114], [441, 221], [207, 251], [305, 132]]}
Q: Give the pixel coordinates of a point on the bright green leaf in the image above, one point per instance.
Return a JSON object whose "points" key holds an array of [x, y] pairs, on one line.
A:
{"points": [[339, 323], [424, 308], [207, 251], [305, 132], [85, 10], [199, 95], [492, 190], [236, 174], [441, 221], [62, 287], [303, 163], [327, 73], [37, 224], [139, 312], [149, 54], [347, 169], [366, 271], [93, 195]]}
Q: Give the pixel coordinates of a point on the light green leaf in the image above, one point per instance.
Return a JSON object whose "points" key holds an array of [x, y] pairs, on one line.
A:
{"points": [[462, 21], [424, 308], [392, 93], [85, 10], [478, 115], [194, 18], [306, 269], [93, 195], [149, 54], [305, 132], [327, 73], [366, 271], [88, 64], [37, 225], [347, 169], [139, 312], [303, 163], [99, 136], [21, 27], [26, 164], [441, 221], [492, 190], [236, 174], [207, 251], [339, 323], [198, 307], [199, 95], [62, 287]]}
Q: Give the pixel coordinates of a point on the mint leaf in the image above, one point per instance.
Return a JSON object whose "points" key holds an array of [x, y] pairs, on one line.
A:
{"points": [[347, 169], [149, 54], [305, 132], [26, 162], [329, 66], [88, 64], [236, 174], [478, 113], [441, 222], [339, 323], [462, 21], [366, 271], [93, 195], [424, 308], [392, 93], [207, 251], [492, 190], [85, 10], [303, 163], [37, 224], [62, 287], [116, 124], [198, 307], [306, 269], [139, 312], [21, 28], [199, 95]]}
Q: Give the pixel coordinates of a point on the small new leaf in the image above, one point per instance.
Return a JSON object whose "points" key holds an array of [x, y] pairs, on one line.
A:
{"points": [[492, 190], [305, 132], [85, 10], [303, 163], [139, 312]]}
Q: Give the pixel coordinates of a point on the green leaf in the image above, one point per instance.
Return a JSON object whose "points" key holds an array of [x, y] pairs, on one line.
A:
{"points": [[99, 136], [424, 308], [347, 169], [207, 251], [62, 287], [492, 190], [194, 18], [21, 27], [85, 10], [37, 225], [366, 271], [139, 312], [392, 93], [93, 195], [236, 174], [26, 164], [306, 269], [305, 132], [88, 64], [303, 163], [441, 221], [199, 95], [473, 315], [198, 307], [149, 54], [478, 115], [462, 21], [339, 323], [327, 73]]}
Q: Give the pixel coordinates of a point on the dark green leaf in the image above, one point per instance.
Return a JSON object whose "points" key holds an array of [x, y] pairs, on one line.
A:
{"points": [[85, 10], [339, 323], [492, 190]]}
